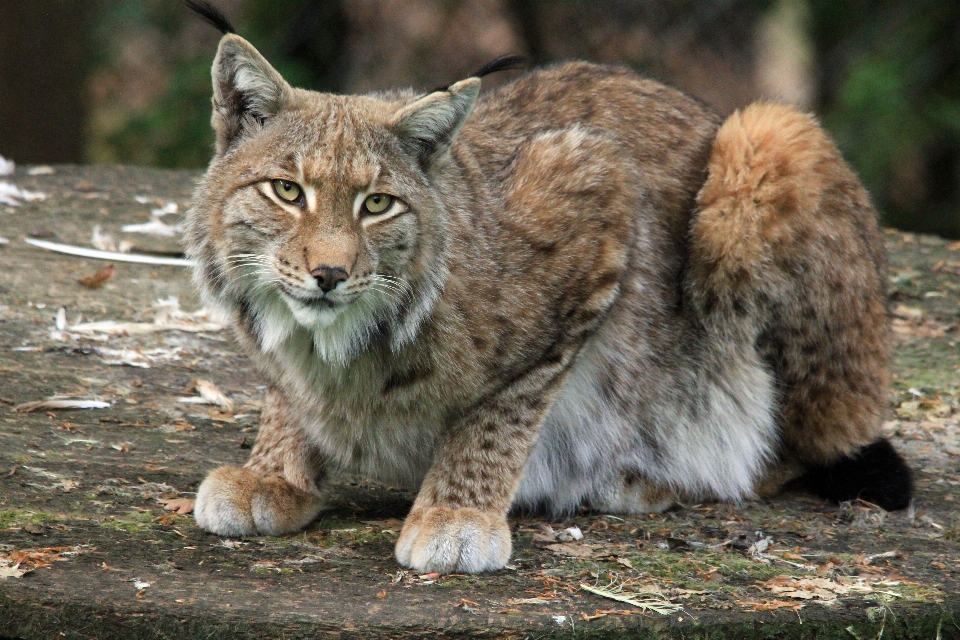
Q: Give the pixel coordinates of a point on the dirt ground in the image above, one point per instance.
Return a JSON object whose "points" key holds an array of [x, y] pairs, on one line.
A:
{"points": [[86, 550]]}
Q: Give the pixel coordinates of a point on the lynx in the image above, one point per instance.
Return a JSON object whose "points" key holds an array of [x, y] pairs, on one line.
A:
{"points": [[580, 290]]}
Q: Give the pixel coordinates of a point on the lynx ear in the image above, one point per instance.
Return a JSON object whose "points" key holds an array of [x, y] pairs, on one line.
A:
{"points": [[429, 125], [247, 91]]}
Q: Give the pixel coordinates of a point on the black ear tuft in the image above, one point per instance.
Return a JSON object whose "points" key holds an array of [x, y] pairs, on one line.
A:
{"points": [[211, 15], [876, 474], [503, 63]]}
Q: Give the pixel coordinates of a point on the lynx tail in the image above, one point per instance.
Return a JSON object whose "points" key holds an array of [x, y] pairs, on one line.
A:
{"points": [[875, 474], [766, 177], [786, 257]]}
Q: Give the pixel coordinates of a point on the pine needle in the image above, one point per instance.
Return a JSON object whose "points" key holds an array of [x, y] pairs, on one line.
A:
{"points": [[645, 600]]}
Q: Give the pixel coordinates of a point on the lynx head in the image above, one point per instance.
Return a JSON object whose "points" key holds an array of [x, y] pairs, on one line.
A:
{"points": [[322, 212]]}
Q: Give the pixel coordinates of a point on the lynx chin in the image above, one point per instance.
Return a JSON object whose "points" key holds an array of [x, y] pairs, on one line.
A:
{"points": [[581, 289]]}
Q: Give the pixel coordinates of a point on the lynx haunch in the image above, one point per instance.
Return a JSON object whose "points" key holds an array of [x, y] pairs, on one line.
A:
{"points": [[581, 289]]}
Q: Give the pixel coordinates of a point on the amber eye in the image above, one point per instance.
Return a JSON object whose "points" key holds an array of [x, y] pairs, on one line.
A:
{"points": [[377, 203], [286, 190]]}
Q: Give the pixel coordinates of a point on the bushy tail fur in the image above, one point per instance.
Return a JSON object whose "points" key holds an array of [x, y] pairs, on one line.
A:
{"points": [[786, 257], [875, 474]]}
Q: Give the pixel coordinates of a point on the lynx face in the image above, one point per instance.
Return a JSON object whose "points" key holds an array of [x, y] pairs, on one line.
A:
{"points": [[317, 211]]}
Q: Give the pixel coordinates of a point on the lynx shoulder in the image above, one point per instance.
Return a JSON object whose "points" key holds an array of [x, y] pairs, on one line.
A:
{"points": [[583, 288]]}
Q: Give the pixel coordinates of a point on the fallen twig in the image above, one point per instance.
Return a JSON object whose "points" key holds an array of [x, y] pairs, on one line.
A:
{"points": [[646, 600]]}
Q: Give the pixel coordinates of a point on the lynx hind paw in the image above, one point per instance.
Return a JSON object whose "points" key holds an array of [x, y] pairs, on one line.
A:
{"points": [[240, 502], [448, 540]]}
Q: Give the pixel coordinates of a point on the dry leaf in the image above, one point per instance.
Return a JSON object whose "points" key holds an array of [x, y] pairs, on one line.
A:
{"points": [[99, 278], [180, 426], [124, 357], [758, 547], [8, 570], [68, 485], [572, 549], [209, 392], [908, 313], [770, 605], [546, 534], [819, 588], [167, 317], [569, 534], [12, 196], [537, 600], [156, 227], [388, 524], [20, 561], [102, 241], [182, 506]]}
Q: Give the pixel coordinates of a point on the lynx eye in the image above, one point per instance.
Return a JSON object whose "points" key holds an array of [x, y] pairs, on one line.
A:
{"points": [[377, 203], [286, 190]]}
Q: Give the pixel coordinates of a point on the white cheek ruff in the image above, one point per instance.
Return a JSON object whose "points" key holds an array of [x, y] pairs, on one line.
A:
{"points": [[313, 317], [274, 322], [339, 332]]}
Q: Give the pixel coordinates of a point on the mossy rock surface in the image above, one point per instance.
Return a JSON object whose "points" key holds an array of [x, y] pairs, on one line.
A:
{"points": [[79, 488]]}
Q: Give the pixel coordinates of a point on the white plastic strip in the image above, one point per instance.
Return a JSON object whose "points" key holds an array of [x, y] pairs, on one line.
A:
{"points": [[108, 255]]}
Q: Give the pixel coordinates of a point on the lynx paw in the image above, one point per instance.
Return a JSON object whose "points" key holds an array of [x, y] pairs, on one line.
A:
{"points": [[239, 502], [448, 540]]}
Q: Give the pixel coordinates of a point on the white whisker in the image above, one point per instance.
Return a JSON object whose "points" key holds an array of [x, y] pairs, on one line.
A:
{"points": [[388, 292], [402, 287]]}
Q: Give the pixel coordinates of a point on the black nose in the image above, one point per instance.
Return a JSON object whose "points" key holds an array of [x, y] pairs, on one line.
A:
{"points": [[328, 277]]}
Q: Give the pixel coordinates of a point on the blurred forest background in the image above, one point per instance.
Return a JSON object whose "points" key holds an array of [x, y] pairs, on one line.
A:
{"points": [[127, 81]]}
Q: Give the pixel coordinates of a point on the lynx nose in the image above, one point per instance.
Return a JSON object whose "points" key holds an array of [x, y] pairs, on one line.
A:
{"points": [[328, 277]]}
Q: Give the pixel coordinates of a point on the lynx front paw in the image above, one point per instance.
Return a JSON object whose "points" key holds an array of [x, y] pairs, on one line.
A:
{"points": [[240, 502], [448, 540]]}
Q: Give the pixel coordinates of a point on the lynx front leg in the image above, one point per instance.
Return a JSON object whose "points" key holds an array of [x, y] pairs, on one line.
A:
{"points": [[275, 492], [458, 521]]}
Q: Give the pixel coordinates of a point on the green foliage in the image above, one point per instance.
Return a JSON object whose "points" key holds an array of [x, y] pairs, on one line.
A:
{"points": [[173, 129], [890, 81], [20, 517]]}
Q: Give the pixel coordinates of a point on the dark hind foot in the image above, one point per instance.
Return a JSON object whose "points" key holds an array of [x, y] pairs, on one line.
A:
{"points": [[875, 474]]}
